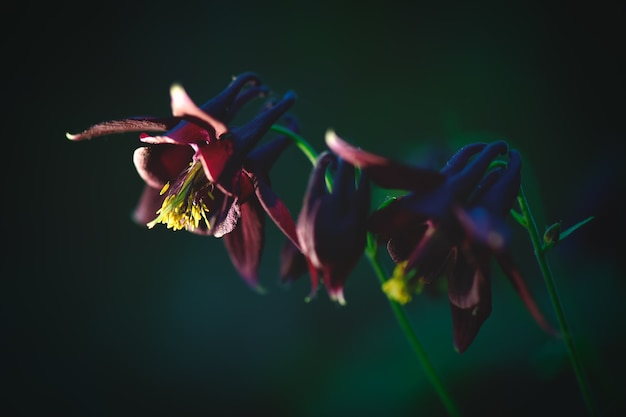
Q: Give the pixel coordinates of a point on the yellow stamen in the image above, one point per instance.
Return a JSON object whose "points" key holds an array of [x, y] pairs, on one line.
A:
{"points": [[186, 207], [397, 287]]}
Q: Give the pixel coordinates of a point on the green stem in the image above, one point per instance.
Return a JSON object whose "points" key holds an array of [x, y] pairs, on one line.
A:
{"points": [[540, 254], [304, 146], [403, 321]]}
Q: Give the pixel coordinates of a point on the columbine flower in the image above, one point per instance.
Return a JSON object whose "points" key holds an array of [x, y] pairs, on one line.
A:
{"points": [[205, 177], [451, 229], [332, 224]]}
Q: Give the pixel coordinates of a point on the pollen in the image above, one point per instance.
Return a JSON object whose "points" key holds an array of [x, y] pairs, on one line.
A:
{"points": [[396, 287], [187, 202]]}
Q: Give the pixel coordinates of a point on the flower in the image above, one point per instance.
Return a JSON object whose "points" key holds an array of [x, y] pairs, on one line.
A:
{"points": [[207, 178], [452, 226], [332, 225]]}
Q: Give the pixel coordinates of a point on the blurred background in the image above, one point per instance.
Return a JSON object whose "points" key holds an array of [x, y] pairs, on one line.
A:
{"points": [[103, 317]]}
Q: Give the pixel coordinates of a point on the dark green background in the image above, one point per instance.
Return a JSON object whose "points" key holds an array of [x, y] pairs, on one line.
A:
{"points": [[102, 317]]}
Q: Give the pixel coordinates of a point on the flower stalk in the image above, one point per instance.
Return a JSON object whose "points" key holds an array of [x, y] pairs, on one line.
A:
{"points": [[371, 252], [540, 254]]}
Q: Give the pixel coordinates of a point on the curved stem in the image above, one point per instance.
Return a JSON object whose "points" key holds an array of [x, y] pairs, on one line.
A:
{"points": [[304, 146], [540, 254], [403, 321]]}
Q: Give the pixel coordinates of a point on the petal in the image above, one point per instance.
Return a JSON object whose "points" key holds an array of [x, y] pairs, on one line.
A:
{"points": [[214, 156], [515, 277], [149, 202], [247, 136], [407, 210], [466, 322], [261, 159], [277, 211], [313, 272], [465, 181], [456, 163], [499, 197], [316, 188], [245, 243], [131, 124], [385, 172], [226, 219], [183, 106], [243, 98], [402, 243], [432, 255], [293, 263], [465, 280], [227, 103], [157, 165]]}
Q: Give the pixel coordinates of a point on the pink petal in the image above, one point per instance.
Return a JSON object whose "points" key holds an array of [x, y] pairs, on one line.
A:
{"points": [[245, 243], [214, 156], [124, 126], [385, 172], [183, 106], [513, 274], [277, 211], [149, 202], [157, 165]]}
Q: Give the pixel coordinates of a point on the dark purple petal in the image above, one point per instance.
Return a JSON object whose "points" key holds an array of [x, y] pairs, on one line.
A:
{"points": [[458, 161], [385, 172], [149, 202], [316, 187], [466, 277], [432, 255], [261, 159], [466, 322], [293, 263], [131, 124], [405, 240], [277, 211], [225, 220], [498, 198], [409, 209], [469, 290], [157, 165], [245, 243], [226, 104], [243, 99], [214, 157], [246, 137], [466, 180], [519, 284]]}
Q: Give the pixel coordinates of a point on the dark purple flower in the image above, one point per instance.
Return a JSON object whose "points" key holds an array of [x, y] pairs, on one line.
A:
{"points": [[208, 178], [452, 229], [332, 225]]}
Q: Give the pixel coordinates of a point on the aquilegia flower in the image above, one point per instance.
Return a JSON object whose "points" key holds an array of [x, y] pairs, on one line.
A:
{"points": [[206, 178], [332, 225], [452, 229]]}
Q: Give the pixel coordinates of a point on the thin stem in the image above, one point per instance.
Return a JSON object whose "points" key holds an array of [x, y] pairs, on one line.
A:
{"points": [[303, 145], [403, 321], [540, 254]]}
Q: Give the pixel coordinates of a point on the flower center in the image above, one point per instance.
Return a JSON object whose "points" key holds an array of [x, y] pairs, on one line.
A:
{"points": [[401, 285], [187, 202]]}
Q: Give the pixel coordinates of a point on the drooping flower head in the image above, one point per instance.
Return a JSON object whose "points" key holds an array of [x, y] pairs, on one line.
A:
{"points": [[452, 228], [332, 225], [196, 173]]}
